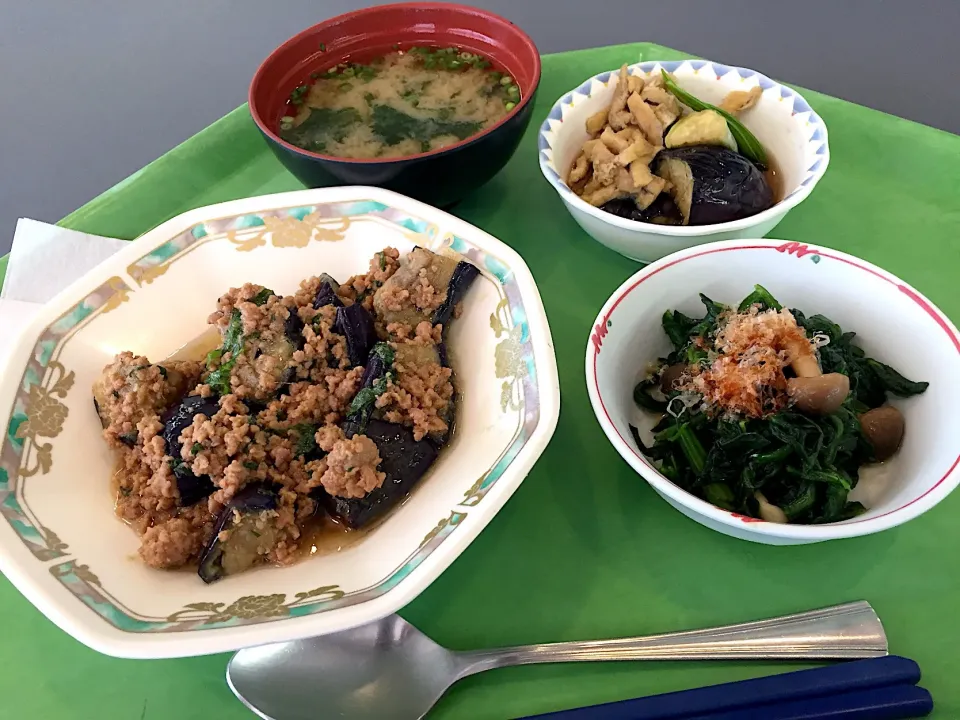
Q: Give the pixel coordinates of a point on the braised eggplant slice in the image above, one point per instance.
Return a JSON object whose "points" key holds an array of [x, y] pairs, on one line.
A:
{"points": [[463, 276], [327, 294], [356, 325], [712, 184], [96, 406], [244, 532], [445, 275], [662, 211], [192, 488], [403, 459], [373, 384], [707, 127], [413, 355], [293, 335], [235, 342]]}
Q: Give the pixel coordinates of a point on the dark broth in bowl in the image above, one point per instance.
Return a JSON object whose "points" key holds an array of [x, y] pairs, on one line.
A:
{"points": [[401, 103]]}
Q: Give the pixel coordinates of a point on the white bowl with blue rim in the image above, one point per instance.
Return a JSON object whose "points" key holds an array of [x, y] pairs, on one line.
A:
{"points": [[60, 542], [790, 131]]}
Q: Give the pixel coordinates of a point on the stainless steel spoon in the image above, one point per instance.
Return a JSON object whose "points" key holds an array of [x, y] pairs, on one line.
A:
{"points": [[389, 669]]}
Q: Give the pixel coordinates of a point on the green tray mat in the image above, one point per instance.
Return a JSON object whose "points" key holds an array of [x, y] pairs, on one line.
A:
{"points": [[585, 549]]}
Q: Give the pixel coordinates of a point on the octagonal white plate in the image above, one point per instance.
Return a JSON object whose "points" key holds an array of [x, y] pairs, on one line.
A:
{"points": [[60, 542]]}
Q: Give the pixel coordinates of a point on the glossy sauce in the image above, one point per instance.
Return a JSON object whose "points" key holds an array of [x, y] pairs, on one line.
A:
{"points": [[323, 535], [774, 178], [198, 348]]}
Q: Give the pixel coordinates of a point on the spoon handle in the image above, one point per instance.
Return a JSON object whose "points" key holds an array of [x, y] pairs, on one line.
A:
{"points": [[852, 630]]}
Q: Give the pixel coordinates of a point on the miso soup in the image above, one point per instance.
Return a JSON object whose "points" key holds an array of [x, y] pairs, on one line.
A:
{"points": [[403, 103]]}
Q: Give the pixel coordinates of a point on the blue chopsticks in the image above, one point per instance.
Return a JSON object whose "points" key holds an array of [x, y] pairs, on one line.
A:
{"points": [[877, 689]]}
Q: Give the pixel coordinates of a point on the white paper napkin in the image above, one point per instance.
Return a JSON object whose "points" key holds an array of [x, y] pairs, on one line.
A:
{"points": [[44, 259]]}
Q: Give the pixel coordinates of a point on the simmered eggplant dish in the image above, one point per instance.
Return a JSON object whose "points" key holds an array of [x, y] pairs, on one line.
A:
{"points": [[326, 405], [658, 154]]}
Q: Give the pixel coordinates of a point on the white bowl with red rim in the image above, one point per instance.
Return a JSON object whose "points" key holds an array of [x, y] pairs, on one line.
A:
{"points": [[910, 334]]}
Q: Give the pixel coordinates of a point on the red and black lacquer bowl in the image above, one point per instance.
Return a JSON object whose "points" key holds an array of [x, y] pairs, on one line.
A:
{"points": [[440, 177]]}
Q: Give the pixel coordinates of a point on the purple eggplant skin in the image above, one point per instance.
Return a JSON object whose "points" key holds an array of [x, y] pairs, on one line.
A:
{"points": [[662, 211], [356, 325], [372, 383], [192, 488], [238, 551], [293, 331], [375, 369], [404, 460], [327, 295], [726, 185], [463, 276]]}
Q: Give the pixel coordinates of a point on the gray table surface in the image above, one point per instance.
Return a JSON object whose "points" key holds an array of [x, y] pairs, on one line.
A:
{"points": [[92, 91]]}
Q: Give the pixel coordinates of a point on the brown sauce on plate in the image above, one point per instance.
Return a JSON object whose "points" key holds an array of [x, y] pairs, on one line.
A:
{"points": [[774, 178]]}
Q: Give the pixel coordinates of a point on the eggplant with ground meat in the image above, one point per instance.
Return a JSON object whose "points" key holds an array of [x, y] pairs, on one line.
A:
{"points": [[403, 460], [175, 386], [192, 488], [282, 348], [287, 437], [414, 355], [449, 277], [235, 343], [245, 531], [293, 334], [355, 323], [712, 184]]}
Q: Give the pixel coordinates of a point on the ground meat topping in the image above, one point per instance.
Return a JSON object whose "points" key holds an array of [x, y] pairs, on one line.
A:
{"points": [[361, 288], [170, 544], [423, 334], [131, 389], [351, 465], [323, 348], [421, 390]]}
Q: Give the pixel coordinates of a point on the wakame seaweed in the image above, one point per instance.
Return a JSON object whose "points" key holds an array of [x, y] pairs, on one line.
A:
{"points": [[804, 464], [393, 126], [321, 126]]}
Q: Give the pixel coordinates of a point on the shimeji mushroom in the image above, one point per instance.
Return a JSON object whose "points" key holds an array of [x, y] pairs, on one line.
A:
{"points": [[811, 390], [884, 428], [769, 511], [822, 394]]}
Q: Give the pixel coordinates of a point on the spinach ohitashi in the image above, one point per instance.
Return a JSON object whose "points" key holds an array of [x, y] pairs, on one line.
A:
{"points": [[768, 412]]}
